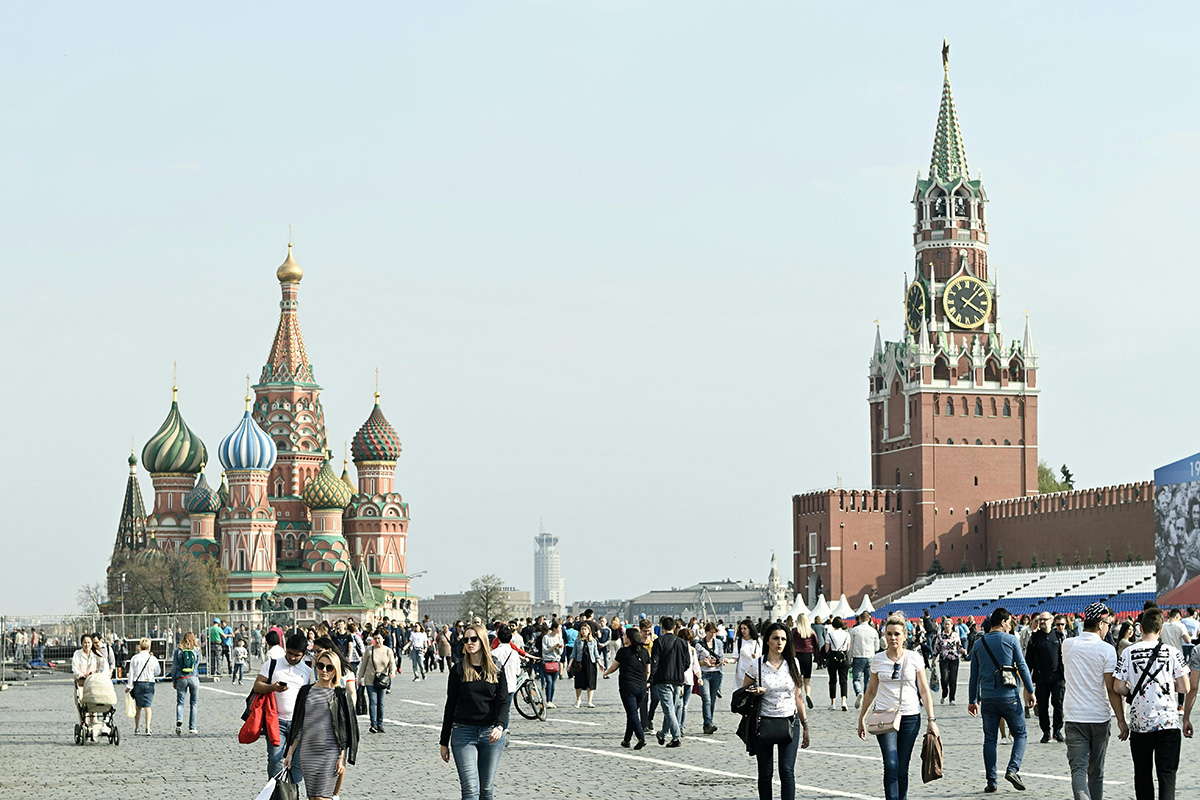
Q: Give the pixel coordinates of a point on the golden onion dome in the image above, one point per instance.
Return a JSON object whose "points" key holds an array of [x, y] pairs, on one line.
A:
{"points": [[326, 491], [289, 271]]}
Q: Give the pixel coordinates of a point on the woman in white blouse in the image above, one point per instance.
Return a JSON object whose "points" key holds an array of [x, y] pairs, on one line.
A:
{"points": [[143, 669], [776, 676], [749, 648], [897, 675]]}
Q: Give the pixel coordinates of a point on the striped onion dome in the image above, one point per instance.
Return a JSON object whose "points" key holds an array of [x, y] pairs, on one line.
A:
{"points": [[223, 492], [174, 448], [202, 499], [248, 447], [326, 491], [376, 440]]}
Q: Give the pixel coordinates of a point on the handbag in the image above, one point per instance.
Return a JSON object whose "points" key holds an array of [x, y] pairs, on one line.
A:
{"points": [[550, 667], [382, 680], [887, 720], [774, 730], [932, 757], [130, 706], [360, 703], [284, 788], [574, 669], [1008, 674]]}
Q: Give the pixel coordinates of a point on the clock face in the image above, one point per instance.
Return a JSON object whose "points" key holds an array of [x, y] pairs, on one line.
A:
{"points": [[967, 301], [916, 306]]}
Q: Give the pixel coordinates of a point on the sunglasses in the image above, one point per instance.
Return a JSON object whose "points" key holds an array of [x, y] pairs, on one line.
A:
{"points": [[469, 639], [896, 671], [325, 667]]}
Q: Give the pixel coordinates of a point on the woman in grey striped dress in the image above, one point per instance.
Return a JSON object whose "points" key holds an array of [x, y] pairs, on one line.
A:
{"points": [[324, 729]]}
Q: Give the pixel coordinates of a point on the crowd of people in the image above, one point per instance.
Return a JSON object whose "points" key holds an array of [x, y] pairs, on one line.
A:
{"points": [[1074, 674]]}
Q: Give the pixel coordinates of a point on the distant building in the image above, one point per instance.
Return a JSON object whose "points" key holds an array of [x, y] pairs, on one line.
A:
{"points": [[601, 608], [549, 588], [444, 609]]}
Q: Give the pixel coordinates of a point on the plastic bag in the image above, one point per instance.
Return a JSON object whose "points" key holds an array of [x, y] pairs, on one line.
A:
{"points": [[130, 706], [268, 791]]}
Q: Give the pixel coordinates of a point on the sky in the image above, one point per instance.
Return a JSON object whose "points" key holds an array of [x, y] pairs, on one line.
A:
{"points": [[618, 263]]}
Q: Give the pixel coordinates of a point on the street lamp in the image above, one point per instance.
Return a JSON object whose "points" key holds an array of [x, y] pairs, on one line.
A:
{"points": [[122, 605]]}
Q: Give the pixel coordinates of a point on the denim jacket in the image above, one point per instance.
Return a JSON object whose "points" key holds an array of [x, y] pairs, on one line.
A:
{"points": [[985, 682], [577, 650]]}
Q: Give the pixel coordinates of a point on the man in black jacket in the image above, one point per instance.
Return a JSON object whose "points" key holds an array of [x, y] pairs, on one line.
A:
{"points": [[1044, 655], [669, 663]]}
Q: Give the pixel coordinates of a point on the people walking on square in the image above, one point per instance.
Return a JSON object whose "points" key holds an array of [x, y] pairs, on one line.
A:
{"points": [[837, 658], [711, 656], [323, 733], [241, 661], [864, 644], [1088, 664], [552, 656], [1150, 674], [632, 664], [949, 648], [998, 672], [476, 716], [285, 676], [375, 675], [1044, 656], [670, 662], [443, 648], [184, 677], [143, 669], [417, 642], [747, 649], [782, 718], [897, 681], [215, 633], [691, 680], [804, 643], [584, 664]]}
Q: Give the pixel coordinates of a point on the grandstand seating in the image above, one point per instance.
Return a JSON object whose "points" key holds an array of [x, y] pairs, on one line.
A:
{"points": [[1065, 590]]}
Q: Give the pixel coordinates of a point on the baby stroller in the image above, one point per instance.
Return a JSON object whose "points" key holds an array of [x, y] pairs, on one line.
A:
{"points": [[96, 699]]}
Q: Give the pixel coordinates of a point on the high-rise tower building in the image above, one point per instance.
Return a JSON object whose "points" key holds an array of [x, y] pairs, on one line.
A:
{"points": [[549, 588]]}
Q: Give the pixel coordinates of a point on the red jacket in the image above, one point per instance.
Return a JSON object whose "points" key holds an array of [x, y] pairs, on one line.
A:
{"points": [[262, 716]]}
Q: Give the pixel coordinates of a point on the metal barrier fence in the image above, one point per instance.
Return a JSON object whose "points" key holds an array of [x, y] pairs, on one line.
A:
{"points": [[32, 643]]}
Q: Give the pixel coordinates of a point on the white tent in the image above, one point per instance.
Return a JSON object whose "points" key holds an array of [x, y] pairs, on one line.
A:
{"points": [[866, 604], [821, 609], [843, 609], [799, 608]]}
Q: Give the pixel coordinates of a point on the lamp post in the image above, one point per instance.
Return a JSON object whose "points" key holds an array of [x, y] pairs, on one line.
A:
{"points": [[122, 605]]}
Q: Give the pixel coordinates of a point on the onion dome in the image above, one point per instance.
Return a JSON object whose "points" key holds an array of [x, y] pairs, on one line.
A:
{"points": [[174, 448], [326, 491], [202, 499], [289, 271], [376, 440], [248, 447], [346, 477], [223, 492], [132, 459]]}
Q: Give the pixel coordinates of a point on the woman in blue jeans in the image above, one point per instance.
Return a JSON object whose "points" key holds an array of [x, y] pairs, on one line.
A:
{"points": [[375, 672], [776, 676], [897, 678], [183, 675], [634, 664], [476, 716]]}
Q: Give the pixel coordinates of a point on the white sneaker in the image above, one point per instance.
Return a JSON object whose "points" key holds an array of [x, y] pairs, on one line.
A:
{"points": [[591, 705], [192, 730], [858, 701], [551, 705], [831, 705], [577, 704]]}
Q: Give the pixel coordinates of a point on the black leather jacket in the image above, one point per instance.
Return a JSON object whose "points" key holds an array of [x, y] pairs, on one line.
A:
{"points": [[1044, 655], [345, 723]]}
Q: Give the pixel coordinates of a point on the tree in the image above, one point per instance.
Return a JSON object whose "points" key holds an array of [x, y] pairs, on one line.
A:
{"points": [[1108, 554], [158, 582], [1047, 482], [999, 558], [485, 599], [1033, 562], [1058, 561], [90, 597], [1067, 478], [935, 567], [1017, 565], [963, 568]]}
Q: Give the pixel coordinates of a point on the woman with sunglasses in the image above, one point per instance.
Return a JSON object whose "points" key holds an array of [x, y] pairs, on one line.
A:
{"points": [[897, 675], [476, 716], [323, 728], [776, 676]]}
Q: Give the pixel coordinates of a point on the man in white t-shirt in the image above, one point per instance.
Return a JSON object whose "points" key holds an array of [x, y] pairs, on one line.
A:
{"points": [[284, 676], [1149, 674], [864, 644], [1089, 699]]}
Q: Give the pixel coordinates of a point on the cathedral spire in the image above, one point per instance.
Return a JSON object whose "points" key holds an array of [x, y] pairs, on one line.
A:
{"points": [[949, 161], [131, 530], [288, 360], [1027, 348]]}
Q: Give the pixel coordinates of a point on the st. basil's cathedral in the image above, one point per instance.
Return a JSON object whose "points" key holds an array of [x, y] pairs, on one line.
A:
{"points": [[282, 522]]}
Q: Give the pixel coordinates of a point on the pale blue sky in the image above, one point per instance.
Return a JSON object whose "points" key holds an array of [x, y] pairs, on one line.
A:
{"points": [[618, 262]]}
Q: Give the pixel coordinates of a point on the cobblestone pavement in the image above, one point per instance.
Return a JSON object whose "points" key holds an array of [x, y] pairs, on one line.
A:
{"points": [[576, 750]]}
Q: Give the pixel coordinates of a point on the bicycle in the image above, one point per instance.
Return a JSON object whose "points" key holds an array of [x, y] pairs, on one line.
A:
{"points": [[527, 696]]}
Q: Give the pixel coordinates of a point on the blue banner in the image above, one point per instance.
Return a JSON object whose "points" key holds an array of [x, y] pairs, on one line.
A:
{"points": [[1183, 471]]}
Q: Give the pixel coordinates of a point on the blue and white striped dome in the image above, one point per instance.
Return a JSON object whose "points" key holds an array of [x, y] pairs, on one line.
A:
{"points": [[248, 447]]}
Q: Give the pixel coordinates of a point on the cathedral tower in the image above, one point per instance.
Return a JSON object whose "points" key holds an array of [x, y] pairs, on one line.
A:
{"points": [[953, 406], [248, 519], [173, 456]]}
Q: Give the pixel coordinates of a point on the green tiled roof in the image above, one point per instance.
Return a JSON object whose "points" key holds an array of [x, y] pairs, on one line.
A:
{"points": [[949, 161]]}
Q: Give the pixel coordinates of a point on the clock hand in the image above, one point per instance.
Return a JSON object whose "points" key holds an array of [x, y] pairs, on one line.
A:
{"points": [[972, 305]]}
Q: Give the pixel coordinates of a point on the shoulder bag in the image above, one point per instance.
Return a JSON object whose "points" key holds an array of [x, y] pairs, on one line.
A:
{"points": [[1008, 674], [772, 730], [932, 757], [745, 702], [1146, 676], [383, 680], [887, 720]]}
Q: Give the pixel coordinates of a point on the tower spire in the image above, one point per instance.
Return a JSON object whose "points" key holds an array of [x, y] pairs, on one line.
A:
{"points": [[949, 160]]}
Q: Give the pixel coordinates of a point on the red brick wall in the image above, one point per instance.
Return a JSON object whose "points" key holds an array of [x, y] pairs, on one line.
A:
{"points": [[1087, 521]]}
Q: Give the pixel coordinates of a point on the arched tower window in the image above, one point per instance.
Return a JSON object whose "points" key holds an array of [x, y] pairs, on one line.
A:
{"points": [[939, 205], [991, 370], [964, 406], [949, 407], [1007, 408], [978, 407], [302, 604], [941, 369], [993, 406], [897, 477]]}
